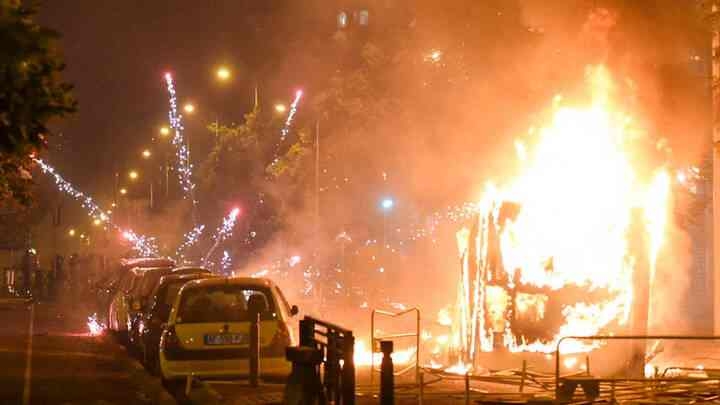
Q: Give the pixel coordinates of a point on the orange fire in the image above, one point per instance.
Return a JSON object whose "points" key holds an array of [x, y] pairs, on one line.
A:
{"points": [[564, 221]]}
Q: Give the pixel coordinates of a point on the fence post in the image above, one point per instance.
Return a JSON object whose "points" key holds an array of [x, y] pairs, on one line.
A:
{"points": [[307, 333], [331, 366], [348, 370], [254, 349], [387, 377]]}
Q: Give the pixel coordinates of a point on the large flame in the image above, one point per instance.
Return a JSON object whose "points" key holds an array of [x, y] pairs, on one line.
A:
{"points": [[580, 186]]}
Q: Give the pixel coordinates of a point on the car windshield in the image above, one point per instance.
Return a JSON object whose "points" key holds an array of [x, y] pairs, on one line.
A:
{"points": [[225, 303]]}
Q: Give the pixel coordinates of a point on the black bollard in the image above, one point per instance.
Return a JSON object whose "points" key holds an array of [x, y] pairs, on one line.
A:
{"points": [[348, 370], [387, 377], [254, 349]]}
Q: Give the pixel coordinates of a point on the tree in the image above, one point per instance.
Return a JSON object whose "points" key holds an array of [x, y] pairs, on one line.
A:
{"points": [[31, 96], [245, 166]]}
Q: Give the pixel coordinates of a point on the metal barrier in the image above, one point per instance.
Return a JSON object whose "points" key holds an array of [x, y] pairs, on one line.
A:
{"points": [[565, 387], [333, 347], [374, 340]]}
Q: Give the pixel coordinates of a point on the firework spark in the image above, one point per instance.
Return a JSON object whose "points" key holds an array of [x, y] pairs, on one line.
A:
{"points": [[142, 244], [146, 246], [189, 239], [291, 115], [223, 232], [184, 166], [95, 328]]}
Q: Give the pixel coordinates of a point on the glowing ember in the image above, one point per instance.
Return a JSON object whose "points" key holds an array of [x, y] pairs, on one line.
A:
{"points": [[95, 328], [550, 253]]}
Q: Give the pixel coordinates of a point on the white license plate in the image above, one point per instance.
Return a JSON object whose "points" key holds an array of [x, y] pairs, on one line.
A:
{"points": [[225, 339]]}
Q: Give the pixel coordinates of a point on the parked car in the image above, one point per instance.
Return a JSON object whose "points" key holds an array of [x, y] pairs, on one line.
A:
{"points": [[207, 333], [142, 293], [132, 290], [153, 321], [107, 286]]}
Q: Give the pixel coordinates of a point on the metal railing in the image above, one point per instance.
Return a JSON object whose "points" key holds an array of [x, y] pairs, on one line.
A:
{"points": [[336, 346], [565, 386], [374, 340]]}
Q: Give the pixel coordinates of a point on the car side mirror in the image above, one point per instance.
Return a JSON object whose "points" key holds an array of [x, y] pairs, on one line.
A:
{"points": [[294, 310]]}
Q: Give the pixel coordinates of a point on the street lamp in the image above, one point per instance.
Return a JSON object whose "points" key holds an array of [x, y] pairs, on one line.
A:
{"points": [[97, 222], [146, 154], [387, 204], [123, 191], [133, 174], [71, 232], [280, 108], [189, 108], [164, 131], [223, 73]]}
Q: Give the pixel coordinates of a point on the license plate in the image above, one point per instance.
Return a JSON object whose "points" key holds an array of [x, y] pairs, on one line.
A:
{"points": [[225, 339]]}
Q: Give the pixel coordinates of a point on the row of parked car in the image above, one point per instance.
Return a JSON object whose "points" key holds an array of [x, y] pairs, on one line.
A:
{"points": [[184, 321]]}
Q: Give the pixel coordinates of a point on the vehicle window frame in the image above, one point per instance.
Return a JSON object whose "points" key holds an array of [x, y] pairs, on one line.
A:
{"points": [[272, 312]]}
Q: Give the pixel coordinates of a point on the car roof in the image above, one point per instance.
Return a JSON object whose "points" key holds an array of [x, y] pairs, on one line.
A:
{"points": [[174, 277], [186, 268], [142, 270], [242, 281], [146, 262]]}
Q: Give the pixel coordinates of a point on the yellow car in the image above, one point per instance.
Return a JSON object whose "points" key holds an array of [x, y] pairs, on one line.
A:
{"points": [[208, 331]]}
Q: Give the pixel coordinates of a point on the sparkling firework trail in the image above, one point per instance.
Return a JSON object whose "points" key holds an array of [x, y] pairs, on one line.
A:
{"points": [[146, 246], [223, 232], [189, 239], [225, 262], [184, 166], [66, 187], [142, 244], [291, 115]]}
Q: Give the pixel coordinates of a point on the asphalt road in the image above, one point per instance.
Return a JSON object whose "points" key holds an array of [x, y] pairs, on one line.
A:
{"points": [[46, 357]]}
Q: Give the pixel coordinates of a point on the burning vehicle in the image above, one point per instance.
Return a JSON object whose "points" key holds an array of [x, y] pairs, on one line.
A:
{"points": [[568, 247]]}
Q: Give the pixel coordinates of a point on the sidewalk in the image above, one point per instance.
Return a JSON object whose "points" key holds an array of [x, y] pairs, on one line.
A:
{"points": [[70, 367]]}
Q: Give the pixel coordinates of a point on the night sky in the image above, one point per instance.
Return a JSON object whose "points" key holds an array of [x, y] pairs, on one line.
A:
{"points": [[117, 52]]}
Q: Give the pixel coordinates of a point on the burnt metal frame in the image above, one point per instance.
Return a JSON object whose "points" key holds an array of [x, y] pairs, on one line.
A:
{"points": [[625, 337], [374, 339], [337, 346]]}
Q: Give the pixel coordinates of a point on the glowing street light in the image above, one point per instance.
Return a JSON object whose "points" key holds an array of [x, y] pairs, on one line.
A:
{"points": [[123, 191], [133, 174], [71, 232], [146, 154], [280, 108], [164, 131], [97, 222], [223, 73], [189, 108], [387, 203]]}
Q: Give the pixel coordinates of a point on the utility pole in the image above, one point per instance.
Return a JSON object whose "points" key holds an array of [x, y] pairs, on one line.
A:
{"points": [[316, 220], [714, 21]]}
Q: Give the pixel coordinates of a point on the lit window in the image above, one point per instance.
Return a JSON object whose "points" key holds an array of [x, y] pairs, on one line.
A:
{"points": [[342, 19], [363, 17]]}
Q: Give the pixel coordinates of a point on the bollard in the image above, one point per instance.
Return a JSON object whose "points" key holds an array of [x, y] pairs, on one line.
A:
{"points": [[387, 377], [255, 349], [421, 391], [522, 376], [348, 370], [188, 385]]}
